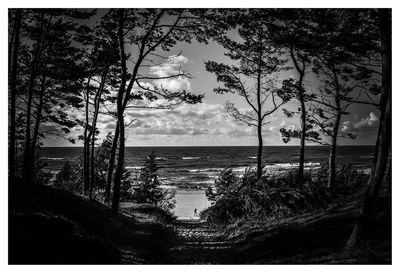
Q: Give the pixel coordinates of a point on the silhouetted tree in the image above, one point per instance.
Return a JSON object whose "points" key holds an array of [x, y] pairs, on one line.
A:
{"points": [[13, 49], [383, 145], [148, 32], [101, 57], [47, 71], [290, 31], [340, 80], [147, 187], [258, 59]]}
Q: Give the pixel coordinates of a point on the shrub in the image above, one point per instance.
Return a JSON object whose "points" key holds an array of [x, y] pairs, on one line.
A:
{"points": [[69, 177], [348, 177], [248, 198], [101, 157], [43, 176], [126, 185]]}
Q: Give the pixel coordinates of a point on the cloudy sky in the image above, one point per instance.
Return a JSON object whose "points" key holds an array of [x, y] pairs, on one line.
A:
{"points": [[208, 124]]}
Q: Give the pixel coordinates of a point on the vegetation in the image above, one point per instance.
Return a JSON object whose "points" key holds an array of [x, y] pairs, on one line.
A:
{"points": [[147, 187], [258, 62], [68, 71], [248, 198], [244, 198]]}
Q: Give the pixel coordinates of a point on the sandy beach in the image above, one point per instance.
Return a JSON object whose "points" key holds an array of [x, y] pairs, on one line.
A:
{"points": [[189, 200]]}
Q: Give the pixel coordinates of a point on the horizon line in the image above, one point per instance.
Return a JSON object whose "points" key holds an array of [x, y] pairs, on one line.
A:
{"points": [[160, 146]]}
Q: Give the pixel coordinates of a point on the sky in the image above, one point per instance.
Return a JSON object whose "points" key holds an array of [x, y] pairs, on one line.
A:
{"points": [[208, 123]]}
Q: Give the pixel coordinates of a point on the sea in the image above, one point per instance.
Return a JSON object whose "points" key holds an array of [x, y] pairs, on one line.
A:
{"points": [[189, 170]]}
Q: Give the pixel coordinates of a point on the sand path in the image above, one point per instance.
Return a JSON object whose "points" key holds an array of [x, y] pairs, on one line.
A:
{"points": [[199, 244]]}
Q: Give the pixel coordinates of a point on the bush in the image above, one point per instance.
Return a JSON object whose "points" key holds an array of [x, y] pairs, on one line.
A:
{"points": [[347, 178], [43, 176], [69, 177], [248, 198]]}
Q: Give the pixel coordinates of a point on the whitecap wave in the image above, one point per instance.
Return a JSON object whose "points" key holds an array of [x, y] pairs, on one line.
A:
{"points": [[205, 170], [278, 166], [53, 158], [190, 157], [240, 169], [291, 165], [133, 167]]}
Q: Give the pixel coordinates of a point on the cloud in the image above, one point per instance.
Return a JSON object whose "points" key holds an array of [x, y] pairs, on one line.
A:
{"points": [[205, 122], [172, 131], [365, 125], [178, 59], [172, 66], [185, 119]]}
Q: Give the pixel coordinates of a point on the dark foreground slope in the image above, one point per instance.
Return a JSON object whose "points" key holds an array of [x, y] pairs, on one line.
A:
{"points": [[315, 238], [48, 226]]}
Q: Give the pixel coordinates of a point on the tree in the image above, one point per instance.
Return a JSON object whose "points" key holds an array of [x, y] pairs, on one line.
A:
{"points": [[290, 31], [100, 56], [147, 188], [36, 55], [148, 32], [100, 163], [13, 49], [383, 144], [333, 57], [258, 59], [47, 60]]}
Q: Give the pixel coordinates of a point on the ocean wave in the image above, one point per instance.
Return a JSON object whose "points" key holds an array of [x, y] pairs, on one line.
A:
{"points": [[161, 158], [53, 158], [278, 166], [292, 165], [252, 157], [367, 156], [190, 157], [134, 167], [206, 170], [240, 169]]}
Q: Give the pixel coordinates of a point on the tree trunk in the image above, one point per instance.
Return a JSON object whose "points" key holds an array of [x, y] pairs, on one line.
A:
{"points": [[335, 131], [260, 150], [120, 112], [332, 154], [120, 166], [13, 91], [303, 127], [35, 135], [259, 114], [94, 124], [111, 163], [85, 136], [92, 172], [303, 112], [381, 163], [27, 164], [11, 37]]}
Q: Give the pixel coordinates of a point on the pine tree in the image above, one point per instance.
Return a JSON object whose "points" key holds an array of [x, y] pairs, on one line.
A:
{"points": [[147, 187], [252, 78]]}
